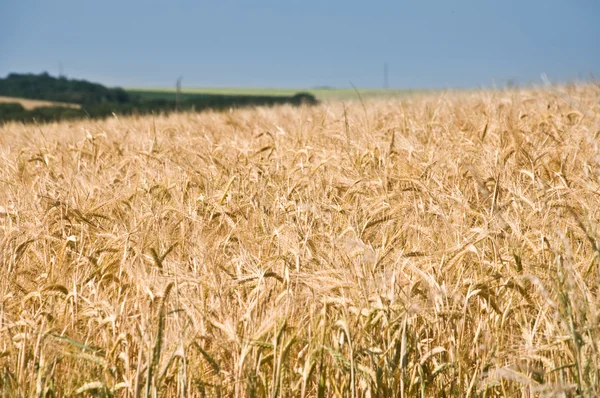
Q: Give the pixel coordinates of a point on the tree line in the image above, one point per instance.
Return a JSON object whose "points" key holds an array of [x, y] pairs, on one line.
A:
{"points": [[98, 101]]}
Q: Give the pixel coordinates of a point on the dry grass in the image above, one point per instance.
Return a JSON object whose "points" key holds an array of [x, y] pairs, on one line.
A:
{"points": [[32, 104], [435, 246]]}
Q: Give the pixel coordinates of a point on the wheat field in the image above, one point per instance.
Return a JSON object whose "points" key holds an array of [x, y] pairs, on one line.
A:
{"points": [[439, 245]]}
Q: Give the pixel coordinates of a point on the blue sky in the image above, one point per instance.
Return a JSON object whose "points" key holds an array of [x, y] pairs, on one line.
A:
{"points": [[302, 44]]}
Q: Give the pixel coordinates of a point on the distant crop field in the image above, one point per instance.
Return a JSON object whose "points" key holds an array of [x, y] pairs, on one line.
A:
{"points": [[322, 94], [32, 104], [438, 245]]}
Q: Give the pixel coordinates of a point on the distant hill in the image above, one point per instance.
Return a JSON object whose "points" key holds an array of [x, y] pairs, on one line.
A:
{"points": [[98, 101]]}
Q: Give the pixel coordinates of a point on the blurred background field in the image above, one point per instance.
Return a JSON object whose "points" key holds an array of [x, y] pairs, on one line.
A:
{"points": [[322, 94]]}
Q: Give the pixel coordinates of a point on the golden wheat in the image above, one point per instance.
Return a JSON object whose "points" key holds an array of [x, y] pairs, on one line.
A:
{"points": [[443, 245]]}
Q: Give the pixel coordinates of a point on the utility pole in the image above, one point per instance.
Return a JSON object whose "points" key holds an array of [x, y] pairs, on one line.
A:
{"points": [[385, 76], [178, 92]]}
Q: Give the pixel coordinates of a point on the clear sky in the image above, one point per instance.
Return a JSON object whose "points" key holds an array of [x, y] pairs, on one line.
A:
{"points": [[302, 44]]}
